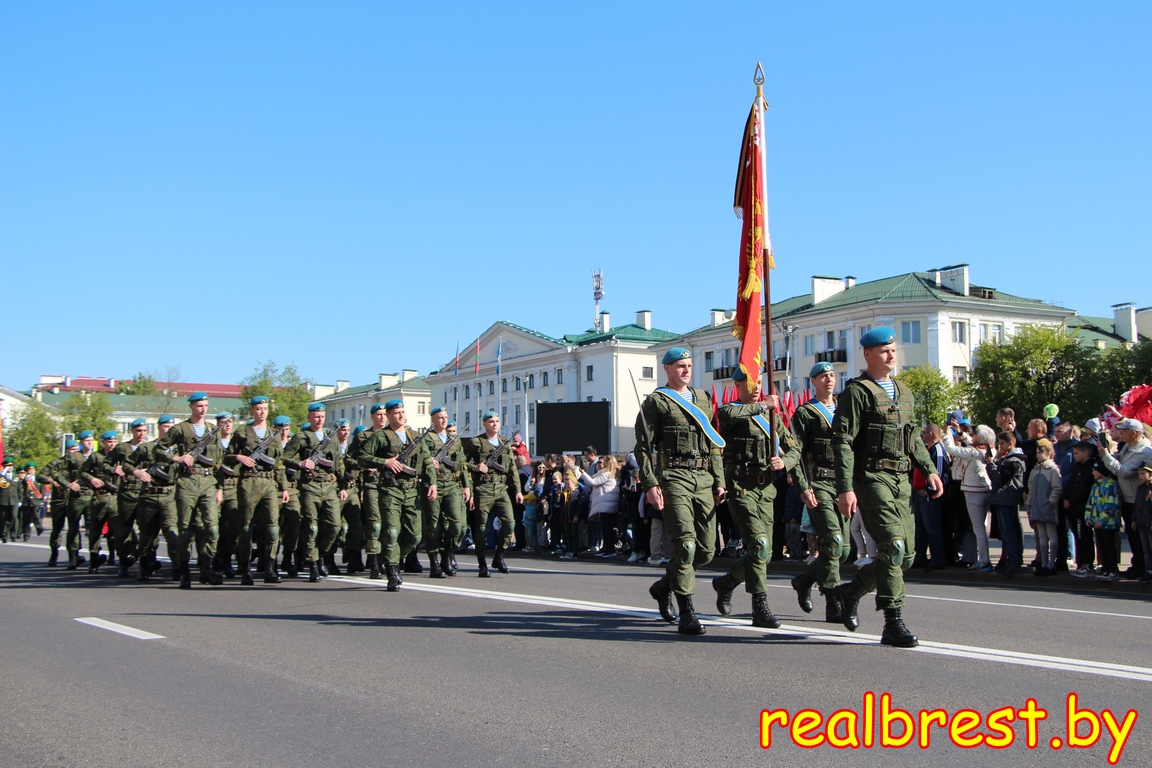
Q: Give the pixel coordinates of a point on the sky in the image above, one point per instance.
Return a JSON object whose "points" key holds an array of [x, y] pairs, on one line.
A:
{"points": [[356, 187]]}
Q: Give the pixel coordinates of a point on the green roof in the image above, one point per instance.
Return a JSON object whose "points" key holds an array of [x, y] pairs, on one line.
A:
{"points": [[1093, 329], [630, 332], [531, 332]]}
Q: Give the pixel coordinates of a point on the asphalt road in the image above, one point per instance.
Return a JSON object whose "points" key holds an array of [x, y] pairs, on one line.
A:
{"points": [[556, 664]]}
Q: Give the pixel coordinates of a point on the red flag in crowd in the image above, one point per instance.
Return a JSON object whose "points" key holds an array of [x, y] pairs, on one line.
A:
{"points": [[1136, 403], [715, 408], [477, 355]]}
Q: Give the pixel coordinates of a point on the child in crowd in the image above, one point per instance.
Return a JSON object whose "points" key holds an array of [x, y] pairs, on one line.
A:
{"points": [[1142, 517], [1044, 488], [530, 503], [1006, 475], [1077, 489], [1103, 513]]}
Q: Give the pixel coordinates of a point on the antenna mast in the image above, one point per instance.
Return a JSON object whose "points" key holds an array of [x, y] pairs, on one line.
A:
{"points": [[597, 294]]}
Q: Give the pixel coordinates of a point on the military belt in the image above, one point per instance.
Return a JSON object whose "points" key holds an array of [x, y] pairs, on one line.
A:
{"points": [[259, 473], [490, 478], [664, 461], [321, 479], [888, 465], [823, 473], [228, 482], [755, 479], [198, 471], [402, 485], [157, 490]]}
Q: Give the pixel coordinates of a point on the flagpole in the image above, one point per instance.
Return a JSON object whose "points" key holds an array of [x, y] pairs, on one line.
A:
{"points": [[761, 106]]}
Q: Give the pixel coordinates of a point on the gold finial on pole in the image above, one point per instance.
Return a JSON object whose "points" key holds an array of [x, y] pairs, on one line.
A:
{"points": [[758, 78]]}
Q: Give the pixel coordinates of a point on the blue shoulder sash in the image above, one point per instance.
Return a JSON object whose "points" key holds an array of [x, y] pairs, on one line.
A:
{"points": [[822, 410], [697, 415], [763, 424]]}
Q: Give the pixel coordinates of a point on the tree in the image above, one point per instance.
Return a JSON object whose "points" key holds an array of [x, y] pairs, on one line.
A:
{"points": [[1039, 365], [287, 393], [933, 393], [34, 436], [141, 384], [83, 411], [1120, 369]]}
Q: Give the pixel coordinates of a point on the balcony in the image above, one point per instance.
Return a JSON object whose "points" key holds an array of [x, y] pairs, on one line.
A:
{"points": [[724, 372], [780, 364], [832, 356]]}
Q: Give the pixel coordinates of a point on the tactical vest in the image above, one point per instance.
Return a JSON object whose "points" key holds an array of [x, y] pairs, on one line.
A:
{"points": [[746, 447], [680, 438], [887, 427], [819, 461]]}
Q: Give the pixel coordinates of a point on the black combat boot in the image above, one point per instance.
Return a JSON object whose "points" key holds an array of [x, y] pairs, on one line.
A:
{"points": [[661, 592], [145, 570], [228, 571], [185, 576], [803, 584], [446, 564], [394, 580], [483, 561], [849, 594], [313, 572], [498, 561], [761, 614], [320, 566], [434, 570], [330, 563], [689, 624], [94, 565], [895, 633], [833, 610], [52, 558], [208, 574], [453, 567], [71, 560], [111, 556], [177, 572], [354, 560], [123, 572], [374, 567], [724, 586], [412, 563], [246, 579], [270, 575]]}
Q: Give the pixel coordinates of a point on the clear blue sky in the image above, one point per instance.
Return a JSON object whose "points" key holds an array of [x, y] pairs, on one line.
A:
{"points": [[355, 186]]}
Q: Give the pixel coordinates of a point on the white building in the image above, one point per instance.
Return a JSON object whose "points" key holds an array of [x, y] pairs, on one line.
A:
{"points": [[355, 403], [535, 368]]}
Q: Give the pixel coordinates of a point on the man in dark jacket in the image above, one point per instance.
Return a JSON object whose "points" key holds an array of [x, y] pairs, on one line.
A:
{"points": [[1077, 486]]}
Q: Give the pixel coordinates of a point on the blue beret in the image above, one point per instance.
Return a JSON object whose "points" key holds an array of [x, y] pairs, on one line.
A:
{"points": [[85, 434], [376, 407], [451, 423], [166, 419], [674, 354], [137, 423], [250, 422], [281, 421], [110, 435], [391, 404], [438, 409], [877, 337], [316, 407], [196, 397], [489, 415], [343, 423], [70, 444], [223, 415], [738, 374], [358, 430], [820, 368], [304, 423], [258, 399]]}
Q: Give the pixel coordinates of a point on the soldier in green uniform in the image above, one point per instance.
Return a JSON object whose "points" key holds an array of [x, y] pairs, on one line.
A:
{"points": [[353, 528], [156, 510], [228, 481], [875, 445], [370, 492], [80, 495], [123, 528], [680, 468], [33, 497], [812, 426], [102, 509], [399, 475], [262, 488], [750, 468], [289, 510], [197, 495], [56, 471], [321, 484], [495, 484], [444, 510]]}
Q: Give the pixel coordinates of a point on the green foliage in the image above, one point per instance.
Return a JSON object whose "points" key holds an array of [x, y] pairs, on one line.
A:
{"points": [[33, 436], [1120, 369], [933, 393], [84, 411], [287, 393], [1039, 365], [142, 384]]}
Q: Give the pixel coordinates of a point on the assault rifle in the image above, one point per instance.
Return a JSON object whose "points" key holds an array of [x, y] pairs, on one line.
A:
{"points": [[406, 454], [445, 451], [317, 456], [493, 461], [197, 451], [260, 453], [158, 470]]}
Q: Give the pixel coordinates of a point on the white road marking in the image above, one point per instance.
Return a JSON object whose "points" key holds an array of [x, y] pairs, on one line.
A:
{"points": [[112, 626], [1033, 607], [1083, 666]]}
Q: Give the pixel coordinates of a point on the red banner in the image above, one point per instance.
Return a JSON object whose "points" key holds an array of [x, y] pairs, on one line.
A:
{"points": [[750, 205]]}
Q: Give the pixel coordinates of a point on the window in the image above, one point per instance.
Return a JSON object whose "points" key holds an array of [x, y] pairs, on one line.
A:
{"points": [[829, 341], [531, 381], [467, 420], [445, 395], [909, 331], [589, 398], [516, 381], [491, 387], [588, 376], [504, 415], [843, 380], [341, 414], [647, 372], [559, 375], [467, 392], [997, 332], [503, 385], [807, 383], [709, 362], [810, 344], [455, 393], [864, 329], [532, 446], [959, 332], [517, 412], [531, 413], [421, 407], [559, 399], [544, 379], [777, 348], [842, 341], [728, 357], [959, 374]]}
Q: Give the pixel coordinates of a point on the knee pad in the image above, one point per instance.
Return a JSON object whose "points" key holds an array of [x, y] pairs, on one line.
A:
{"points": [[833, 545], [393, 534], [893, 551], [687, 550], [763, 550], [212, 532], [273, 532], [314, 529], [377, 529]]}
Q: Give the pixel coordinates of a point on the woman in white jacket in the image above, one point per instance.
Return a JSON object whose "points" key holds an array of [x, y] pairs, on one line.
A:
{"points": [[604, 502], [976, 486]]}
